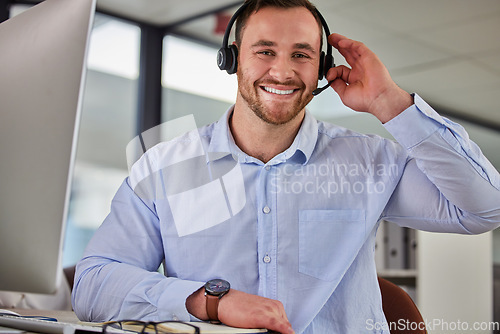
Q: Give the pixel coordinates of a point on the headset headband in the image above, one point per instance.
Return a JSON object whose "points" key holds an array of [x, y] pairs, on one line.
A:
{"points": [[230, 24], [227, 54]]}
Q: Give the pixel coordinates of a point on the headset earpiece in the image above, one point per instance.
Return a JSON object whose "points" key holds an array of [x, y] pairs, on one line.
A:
{"points": [[327, 64], [227, 59], [321, 70]]}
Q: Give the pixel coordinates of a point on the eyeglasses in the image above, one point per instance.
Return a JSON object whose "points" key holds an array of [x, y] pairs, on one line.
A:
{"points": [[163, 327]]}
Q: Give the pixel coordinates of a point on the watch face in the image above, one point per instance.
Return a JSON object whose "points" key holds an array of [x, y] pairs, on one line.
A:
{"points": [[217, 286]]}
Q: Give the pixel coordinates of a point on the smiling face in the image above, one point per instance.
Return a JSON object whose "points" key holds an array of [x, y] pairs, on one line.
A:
{"points": [[278, 62]]}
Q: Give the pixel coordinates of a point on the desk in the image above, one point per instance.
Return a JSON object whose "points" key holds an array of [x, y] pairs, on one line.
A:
{"points": [[67, 317], [62, 316]]}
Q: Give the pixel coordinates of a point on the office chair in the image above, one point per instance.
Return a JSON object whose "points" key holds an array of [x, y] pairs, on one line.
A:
{"points": [[69, 273], [398, 305]]}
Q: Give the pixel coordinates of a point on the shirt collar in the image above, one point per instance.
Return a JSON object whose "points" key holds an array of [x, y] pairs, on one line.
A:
{"points": [[301, 149]]}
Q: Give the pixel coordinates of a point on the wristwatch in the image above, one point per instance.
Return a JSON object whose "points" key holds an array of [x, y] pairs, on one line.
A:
{"points": [[214, 290]]}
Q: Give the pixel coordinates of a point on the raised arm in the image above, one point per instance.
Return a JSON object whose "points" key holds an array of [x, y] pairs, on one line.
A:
{"points": [[447, 185], [366, 86]]}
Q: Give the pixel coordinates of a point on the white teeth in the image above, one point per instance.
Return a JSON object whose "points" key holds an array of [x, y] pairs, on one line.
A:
{"points": [[277, 91]]}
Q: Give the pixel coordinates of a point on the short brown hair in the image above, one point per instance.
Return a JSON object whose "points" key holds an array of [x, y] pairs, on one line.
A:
{"points": [[252, 6]]}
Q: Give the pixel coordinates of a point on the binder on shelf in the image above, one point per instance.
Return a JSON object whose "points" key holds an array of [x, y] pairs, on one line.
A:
{"points": [[380, 244], [395, 254], [411, 247]]}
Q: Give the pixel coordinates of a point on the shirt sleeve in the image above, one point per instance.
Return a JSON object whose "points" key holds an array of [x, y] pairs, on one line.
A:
{"points": [[448, 185], [118, 276]]}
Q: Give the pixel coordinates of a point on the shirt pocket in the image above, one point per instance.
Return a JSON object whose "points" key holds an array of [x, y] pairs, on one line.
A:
{"points": [[329, 241]]}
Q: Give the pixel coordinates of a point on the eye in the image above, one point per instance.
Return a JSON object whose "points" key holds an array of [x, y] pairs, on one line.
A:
{"points": [[300, 55], [265, 53]]}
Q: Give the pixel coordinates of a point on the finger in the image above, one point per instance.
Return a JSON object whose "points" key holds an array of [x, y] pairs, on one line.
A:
{"points": [[278, 320], [348, 54], [335, 38], [341, 72], [342, 43], [356, 49], [339, 78], [283, 327], [350, 49], [339, 87], [273, 319]]}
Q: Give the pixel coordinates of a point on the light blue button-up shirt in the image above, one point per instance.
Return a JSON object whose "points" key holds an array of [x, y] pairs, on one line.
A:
{"points": [[299, 228]]}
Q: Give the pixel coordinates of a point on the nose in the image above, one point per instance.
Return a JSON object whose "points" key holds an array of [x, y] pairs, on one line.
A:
{"points": [[282, 69]]}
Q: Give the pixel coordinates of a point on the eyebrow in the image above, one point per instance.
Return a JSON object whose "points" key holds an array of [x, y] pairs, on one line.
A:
{"points": [[264, 43], [299, 46], [305, 46]]}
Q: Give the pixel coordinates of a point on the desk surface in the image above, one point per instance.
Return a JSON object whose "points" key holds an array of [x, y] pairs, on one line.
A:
{"points": [[63, 316], [70, 317]]}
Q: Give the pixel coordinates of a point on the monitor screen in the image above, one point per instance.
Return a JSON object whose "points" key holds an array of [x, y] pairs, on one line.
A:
{"points": [[41, 79]]}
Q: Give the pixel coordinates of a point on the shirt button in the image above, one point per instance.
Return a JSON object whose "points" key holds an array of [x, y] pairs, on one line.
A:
{"points": [[267, 259], [266, 209], [268, 167]]}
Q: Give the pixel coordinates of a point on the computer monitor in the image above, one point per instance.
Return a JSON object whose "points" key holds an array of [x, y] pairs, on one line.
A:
{"points": [[42, 71]]}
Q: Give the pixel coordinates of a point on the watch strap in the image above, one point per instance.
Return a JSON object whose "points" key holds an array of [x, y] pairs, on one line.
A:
{"points": [[212, 307]]}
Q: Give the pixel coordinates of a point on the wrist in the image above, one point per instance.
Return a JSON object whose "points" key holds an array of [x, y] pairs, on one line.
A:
{"points": [[196, 304], [389, 105], [214, 290]]}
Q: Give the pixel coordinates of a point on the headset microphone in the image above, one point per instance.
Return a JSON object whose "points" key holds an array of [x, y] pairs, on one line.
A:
{"points": [[319, 90]]}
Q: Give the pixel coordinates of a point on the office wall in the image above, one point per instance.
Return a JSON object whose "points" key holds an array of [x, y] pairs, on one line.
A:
{"points": [[496, 247], [177, 104], [108, 119], [107, 125]]}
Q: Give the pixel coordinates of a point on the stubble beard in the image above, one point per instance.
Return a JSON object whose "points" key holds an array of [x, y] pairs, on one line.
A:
{"points": [[282, 113]]}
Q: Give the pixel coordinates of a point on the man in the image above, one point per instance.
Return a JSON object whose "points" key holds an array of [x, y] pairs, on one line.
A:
{"points": [[299, 252]]}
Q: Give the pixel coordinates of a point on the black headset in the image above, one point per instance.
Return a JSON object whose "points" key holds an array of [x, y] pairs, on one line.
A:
{"points": [[228, 54]]}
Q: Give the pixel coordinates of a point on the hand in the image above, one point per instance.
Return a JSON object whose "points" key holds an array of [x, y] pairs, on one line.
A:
{"points": [[367, 85], [240, 309]]}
